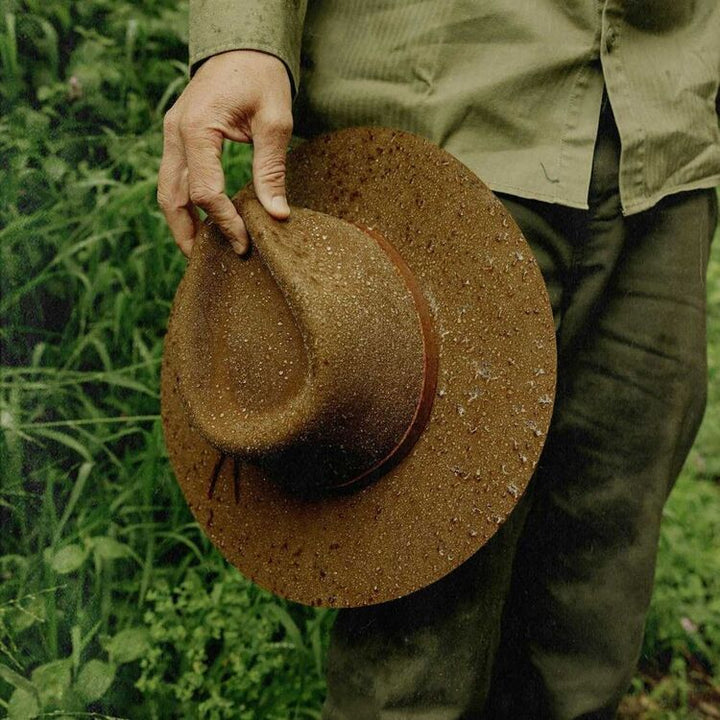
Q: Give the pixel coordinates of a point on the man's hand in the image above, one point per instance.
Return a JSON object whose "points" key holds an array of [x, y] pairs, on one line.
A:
{"points": [[241, 95]]}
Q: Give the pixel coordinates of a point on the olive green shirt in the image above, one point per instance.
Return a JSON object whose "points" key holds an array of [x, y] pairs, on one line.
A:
{"points": [[512, 88]]}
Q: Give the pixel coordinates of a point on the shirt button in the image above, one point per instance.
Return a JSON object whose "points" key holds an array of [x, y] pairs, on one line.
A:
{"points": [[610, 39]]}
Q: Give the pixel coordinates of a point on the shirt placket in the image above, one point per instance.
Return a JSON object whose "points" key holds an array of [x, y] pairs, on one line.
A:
{"points": [[632, 135]]}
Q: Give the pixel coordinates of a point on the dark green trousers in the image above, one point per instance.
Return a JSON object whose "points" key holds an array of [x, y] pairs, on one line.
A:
{"points": [[546, 620]]}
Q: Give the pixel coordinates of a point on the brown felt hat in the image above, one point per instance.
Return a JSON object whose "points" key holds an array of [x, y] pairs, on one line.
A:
{"points": [[354, 407]]}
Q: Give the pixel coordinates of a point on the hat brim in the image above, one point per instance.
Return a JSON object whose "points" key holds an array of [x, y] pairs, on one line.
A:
{"points": [[492, 409]]}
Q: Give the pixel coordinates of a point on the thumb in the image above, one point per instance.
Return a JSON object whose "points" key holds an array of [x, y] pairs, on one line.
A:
{"points": [[270, 141]]}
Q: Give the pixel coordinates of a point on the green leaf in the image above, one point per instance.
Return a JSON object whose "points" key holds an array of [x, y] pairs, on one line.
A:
{"points": [[108, 548], [64, 439], [54, 167], [22, 615], [68, 559], [280, 614], [52, 681], [128, 645], [94, 679], [75, 495], [15, 679], [23, 705]]}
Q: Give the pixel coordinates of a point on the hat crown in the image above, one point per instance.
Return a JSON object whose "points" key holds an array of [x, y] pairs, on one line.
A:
{"points": [[494, 335], [348, 336]]}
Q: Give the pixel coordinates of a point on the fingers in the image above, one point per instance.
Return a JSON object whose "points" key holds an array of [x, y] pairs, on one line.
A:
{"points": [[173, 194], [271, 135], [206, 183], [240, 95]]}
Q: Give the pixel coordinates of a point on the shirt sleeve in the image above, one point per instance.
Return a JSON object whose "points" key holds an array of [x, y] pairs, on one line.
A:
{"points": [[271, 26]]}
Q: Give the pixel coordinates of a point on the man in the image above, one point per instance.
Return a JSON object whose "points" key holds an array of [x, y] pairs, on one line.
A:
{"points": [[596, 124]]}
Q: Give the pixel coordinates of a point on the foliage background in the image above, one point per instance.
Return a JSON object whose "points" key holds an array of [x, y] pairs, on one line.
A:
{"points": [[112, 602]]}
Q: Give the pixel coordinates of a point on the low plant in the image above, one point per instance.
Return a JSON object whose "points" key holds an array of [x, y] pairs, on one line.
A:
{"points": [[225, 649]]}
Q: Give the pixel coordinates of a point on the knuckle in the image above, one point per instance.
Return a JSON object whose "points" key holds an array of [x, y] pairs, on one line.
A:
{"points": [[278, 123], [272, 172], [170, 122], [165, 196], [203, 195], [162, 195], [193, 126]]}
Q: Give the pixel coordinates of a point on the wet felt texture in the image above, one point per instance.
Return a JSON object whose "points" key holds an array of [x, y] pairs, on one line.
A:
{"points": [[546, 620], [492, 406]]}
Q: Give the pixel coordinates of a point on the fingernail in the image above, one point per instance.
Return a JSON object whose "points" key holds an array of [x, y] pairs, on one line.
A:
{"points": [[279, 205], [238, 247]]}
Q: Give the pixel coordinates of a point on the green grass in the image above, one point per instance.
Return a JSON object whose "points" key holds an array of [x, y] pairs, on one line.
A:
{"points": [[112, 602]]}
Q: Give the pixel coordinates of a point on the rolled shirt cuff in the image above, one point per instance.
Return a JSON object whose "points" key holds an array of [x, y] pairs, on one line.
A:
{"points": [[271, 26]]}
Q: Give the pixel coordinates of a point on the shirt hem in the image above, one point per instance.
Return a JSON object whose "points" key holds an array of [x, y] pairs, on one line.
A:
{"points": [[647, 203], [632, 208], [534, 195]]}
